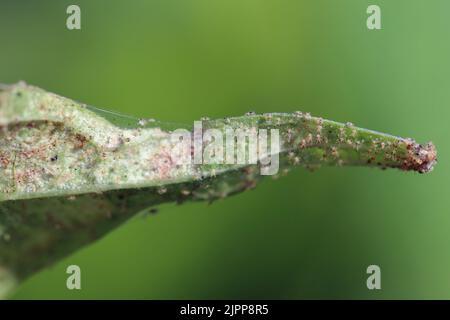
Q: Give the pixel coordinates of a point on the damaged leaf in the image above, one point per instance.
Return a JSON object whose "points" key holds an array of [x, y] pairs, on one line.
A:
{"points": [[69, 173]]}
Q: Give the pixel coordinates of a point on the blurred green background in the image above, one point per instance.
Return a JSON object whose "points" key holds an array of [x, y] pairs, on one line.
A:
{"points": [[307, 235]]}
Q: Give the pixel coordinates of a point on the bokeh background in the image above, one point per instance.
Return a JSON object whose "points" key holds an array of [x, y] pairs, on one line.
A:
{"points": [[307, 235]]}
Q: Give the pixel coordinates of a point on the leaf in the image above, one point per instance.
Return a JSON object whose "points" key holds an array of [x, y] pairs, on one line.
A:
{"points": [[69, 173]]}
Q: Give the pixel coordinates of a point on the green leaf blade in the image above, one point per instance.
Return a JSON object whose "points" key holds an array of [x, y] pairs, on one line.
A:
{"points": [[70, 173]]}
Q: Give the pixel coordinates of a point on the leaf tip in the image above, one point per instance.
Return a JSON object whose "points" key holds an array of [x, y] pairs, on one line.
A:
{"points": [[420, 157]]}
